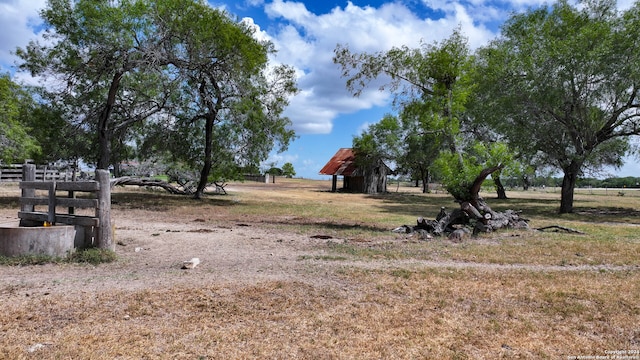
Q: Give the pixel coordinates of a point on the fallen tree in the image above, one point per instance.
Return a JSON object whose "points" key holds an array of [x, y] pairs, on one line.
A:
{"points": [[473, 216], [182, 187], [151, 182]]}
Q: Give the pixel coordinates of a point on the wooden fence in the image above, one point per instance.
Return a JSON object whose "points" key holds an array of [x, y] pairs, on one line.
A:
{"points": [[97, 229], [13, 172]]}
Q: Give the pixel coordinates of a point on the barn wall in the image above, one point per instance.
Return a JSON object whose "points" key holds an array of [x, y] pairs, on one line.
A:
{"points": [[354, 183]]}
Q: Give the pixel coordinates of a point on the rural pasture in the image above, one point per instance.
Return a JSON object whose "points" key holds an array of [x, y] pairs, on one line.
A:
{"points": [[293, 271]]}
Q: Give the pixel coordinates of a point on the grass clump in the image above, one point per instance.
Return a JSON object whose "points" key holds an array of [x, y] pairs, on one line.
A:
{"points": [[26, 260], [92, 256]]}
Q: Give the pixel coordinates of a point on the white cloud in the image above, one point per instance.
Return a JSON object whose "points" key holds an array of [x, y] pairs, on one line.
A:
{"points": [[293, 47], [625, 4], [259, 33], [254, 2], [306, 41], [281, 159], [293, 11], [18, 21]]}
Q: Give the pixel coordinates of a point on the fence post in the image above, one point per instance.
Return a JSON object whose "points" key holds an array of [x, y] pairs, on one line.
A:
{"points": [[28, 174], [51, 217], [103, 212]]}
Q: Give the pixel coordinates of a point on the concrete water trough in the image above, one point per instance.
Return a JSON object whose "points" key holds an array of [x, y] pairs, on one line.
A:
{"points": [[56, 241]]}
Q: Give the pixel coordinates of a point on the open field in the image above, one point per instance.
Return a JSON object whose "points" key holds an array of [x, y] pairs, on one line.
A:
{"points": [[269, 287]]}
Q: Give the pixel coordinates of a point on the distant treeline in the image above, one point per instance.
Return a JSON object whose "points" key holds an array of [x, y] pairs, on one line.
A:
{"points": [[538, 182], [624, 182], [616, 182]]}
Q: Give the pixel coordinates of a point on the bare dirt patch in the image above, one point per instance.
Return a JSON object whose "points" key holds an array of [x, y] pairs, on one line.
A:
{"points": [[151, 247]]}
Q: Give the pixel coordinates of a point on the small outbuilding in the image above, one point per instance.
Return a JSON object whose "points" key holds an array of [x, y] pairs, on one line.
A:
{"points": [[369, 180]]}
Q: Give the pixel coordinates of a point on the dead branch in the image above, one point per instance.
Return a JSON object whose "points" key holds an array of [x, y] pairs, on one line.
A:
{"points": [[127, 180], [557, 228]]}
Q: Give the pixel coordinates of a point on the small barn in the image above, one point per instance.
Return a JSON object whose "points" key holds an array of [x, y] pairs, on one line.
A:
{"points": [[371, 180]]}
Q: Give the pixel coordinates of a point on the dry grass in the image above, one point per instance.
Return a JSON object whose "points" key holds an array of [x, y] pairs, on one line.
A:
{"points": [[392, 314], [513, 294]]}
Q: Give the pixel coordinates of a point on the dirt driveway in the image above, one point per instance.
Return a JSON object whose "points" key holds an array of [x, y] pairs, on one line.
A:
{"points": [[151, 248]]}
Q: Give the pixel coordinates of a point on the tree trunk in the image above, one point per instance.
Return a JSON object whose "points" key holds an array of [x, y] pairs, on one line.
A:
{"points": [[375, 177], [425, 181], [104, 145], [381, 174], [502, 194], [208, 149], [472, 204], [104, 132], [568, 186], [116, 170], [474, 189], [473, 210], [148, 182], [526, 182]]}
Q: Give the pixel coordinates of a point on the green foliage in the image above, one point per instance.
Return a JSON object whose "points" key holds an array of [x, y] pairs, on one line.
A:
{"points": [[275, 171], [288, 170], [109, 55], [193, 89], [430, 73], [431, 86], [16, 106], [58, 138], [561, 83], [227, 115], [380, 142], [619, 183], [457, 176]]}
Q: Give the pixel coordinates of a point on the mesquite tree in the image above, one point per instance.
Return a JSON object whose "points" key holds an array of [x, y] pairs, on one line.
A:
{"points": [[177, 77], [562, 83], [430, 87], [104, 63], [229, 111]]}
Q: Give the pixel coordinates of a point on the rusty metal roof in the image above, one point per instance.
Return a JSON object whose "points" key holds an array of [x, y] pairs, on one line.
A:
{"points": [[342, 163]]}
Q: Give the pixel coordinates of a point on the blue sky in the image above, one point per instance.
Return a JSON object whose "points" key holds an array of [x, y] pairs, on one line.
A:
{"points": [[324, 115]]}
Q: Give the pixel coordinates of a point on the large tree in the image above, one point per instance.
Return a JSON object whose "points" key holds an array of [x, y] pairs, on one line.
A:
{"points": [[229, 112], [178, 63], [562, 82], [104, 61], [431, 87]]}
